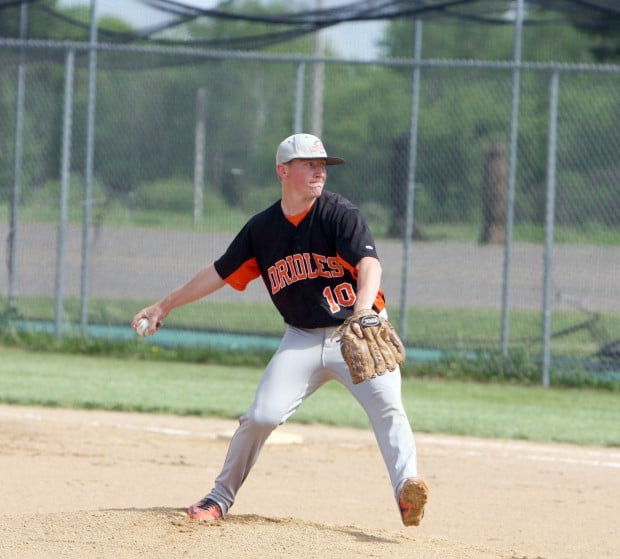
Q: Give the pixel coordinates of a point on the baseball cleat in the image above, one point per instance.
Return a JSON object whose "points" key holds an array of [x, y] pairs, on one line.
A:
{"points": [[413, 497], [206, 509]]}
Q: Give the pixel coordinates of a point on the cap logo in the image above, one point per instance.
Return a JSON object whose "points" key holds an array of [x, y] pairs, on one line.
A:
{"points": [[317, 147]]}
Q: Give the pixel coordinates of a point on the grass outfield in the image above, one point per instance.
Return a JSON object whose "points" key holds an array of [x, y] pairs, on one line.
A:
{"points": [[575, 333], [586, 417]]}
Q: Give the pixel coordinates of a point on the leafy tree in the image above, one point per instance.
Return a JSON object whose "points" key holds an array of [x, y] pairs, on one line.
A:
{"points": [[461, 115], [38, 24], [547, 36], [248, 106], [598, 26]]}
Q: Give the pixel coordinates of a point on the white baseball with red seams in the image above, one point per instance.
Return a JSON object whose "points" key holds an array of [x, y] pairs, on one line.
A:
{"points": [[142, 327]]}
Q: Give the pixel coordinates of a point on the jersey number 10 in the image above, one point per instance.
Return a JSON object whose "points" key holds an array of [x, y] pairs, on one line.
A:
{"points": [[340, 296]]}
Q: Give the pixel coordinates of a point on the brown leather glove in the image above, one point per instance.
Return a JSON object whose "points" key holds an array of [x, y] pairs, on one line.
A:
{"points": [[378, 351]]}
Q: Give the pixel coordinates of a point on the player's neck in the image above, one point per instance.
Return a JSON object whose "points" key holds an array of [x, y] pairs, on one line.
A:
{"points": [[293, 206]]}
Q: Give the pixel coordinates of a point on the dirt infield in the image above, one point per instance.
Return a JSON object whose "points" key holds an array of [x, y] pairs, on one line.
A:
{"points": [[80, 484]]}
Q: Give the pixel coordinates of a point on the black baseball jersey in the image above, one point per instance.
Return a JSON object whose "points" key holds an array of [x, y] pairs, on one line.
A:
{"points": [[309, 268]]}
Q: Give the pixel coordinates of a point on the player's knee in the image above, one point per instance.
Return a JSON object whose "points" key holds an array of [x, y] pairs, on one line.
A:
{"points": [[263, 419]]}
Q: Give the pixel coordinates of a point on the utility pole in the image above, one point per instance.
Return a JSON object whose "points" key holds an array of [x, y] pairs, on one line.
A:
{"points": [[318, 84]]}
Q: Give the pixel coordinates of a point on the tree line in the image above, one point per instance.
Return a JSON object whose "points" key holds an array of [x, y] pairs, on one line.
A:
{"points": [[146, 113]]}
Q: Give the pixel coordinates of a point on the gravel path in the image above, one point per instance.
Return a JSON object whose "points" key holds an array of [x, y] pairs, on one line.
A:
{"points": [[145, 263]]}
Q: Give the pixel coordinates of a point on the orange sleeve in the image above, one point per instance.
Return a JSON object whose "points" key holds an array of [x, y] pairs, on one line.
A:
{"points": [[243, 275]]}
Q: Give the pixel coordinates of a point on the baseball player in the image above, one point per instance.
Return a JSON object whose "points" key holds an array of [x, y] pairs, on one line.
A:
{"points": [[318, 260]]}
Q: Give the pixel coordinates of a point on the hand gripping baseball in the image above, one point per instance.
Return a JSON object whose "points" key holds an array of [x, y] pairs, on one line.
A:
{"points": [[148, 321], [374, 350]]}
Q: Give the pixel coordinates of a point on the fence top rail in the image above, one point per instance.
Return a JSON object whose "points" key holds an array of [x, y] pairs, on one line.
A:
{"points": [[298, 58]]}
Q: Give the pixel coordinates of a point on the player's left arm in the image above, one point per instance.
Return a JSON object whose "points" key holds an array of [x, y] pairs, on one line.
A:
{"points": [[369, 344], [368, 282]]}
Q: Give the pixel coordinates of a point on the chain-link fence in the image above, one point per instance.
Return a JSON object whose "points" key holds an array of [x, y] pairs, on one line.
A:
{"points": [[182, 142]]}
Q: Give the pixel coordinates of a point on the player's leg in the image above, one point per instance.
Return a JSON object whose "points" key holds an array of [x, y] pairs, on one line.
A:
{"points": [[293, 373], [381, 399]]}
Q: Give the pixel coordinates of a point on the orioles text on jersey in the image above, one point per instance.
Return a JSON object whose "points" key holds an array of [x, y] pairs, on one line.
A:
{"points": [[301, 266]]}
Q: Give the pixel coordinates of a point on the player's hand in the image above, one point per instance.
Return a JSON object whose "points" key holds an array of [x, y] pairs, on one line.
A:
{"points": [[357, 330], [154, 314], [355, 327]]}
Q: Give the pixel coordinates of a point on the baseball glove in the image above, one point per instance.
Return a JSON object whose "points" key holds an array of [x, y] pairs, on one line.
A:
{"points": [[379, 350]]}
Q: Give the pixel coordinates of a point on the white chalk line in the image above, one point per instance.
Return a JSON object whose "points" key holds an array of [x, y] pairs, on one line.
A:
{"points": [[546, 453], [472, 447]]}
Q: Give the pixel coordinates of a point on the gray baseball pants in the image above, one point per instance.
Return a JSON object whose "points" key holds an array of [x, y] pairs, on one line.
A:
{"points": [[305, 360]]}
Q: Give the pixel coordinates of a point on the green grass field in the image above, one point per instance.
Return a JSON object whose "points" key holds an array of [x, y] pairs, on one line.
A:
{"points": [[585, 417], [576, 334]]}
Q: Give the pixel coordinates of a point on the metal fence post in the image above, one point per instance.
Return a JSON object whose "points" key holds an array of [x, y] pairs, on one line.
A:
{"points": [[65, 180], [298, 110], [413, 147], [88, 172], [17, 173], [512, 171], [199, 156], [318, 80], [549, 225]]}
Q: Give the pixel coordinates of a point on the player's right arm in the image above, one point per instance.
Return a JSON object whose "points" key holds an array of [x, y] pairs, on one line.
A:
{"points": [[368, 283], [205, 282]]}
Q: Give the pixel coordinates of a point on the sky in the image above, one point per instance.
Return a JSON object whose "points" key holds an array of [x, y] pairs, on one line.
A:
{"points": [[350, 40]]}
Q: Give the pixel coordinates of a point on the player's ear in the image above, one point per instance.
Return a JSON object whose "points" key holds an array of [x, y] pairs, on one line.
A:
{"points": [[281, 170]]}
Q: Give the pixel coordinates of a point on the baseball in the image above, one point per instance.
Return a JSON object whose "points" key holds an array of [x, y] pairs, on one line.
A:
{"points": [[142, 326]]}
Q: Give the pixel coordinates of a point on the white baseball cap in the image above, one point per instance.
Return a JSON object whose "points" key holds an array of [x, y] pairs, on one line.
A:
{"points": [[304, 146]]}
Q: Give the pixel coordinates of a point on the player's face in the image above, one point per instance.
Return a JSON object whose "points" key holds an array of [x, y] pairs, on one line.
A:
{"points": [[307, 176]]}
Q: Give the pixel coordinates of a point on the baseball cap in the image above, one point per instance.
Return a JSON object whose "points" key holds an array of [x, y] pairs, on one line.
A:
{"points": [[304, 146]]}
